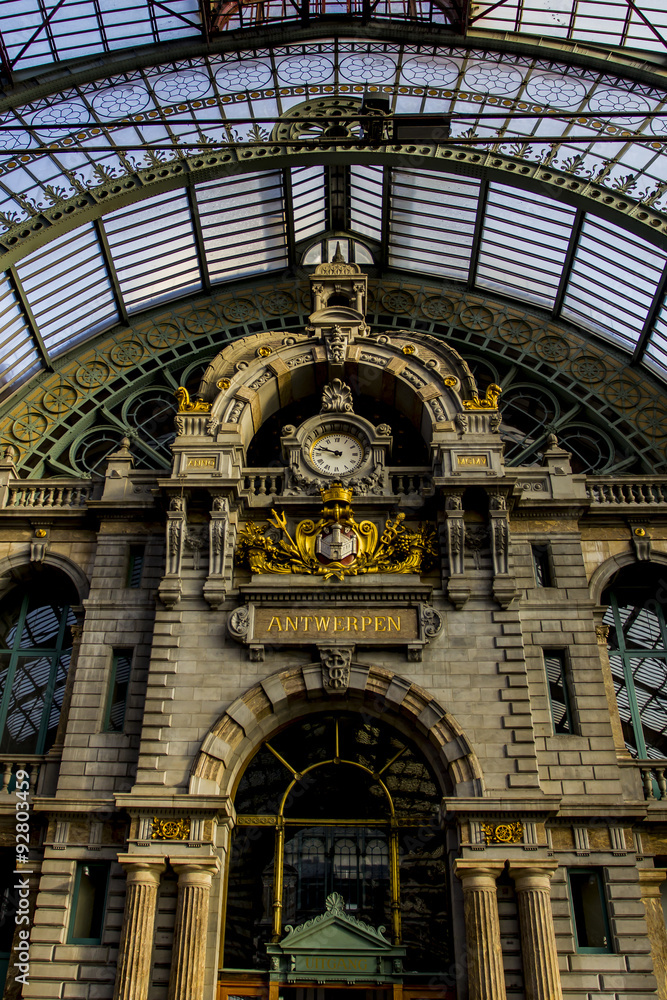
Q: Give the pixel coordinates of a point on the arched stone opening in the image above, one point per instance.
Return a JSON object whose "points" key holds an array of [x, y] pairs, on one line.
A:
{"points": [[283, 697]]}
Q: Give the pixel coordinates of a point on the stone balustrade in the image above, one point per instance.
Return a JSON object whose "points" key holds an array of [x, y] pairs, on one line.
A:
{"points": [[263, 482], [36, 493], [11, 763], [627, 491], [654, 779]]}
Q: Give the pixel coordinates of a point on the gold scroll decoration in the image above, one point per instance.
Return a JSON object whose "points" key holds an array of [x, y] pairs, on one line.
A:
{"points": [[490, 401], [185, 405], [336, 545], [170, 829], [503, 833]]}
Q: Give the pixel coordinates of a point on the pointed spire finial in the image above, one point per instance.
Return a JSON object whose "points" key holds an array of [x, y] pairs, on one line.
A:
{"points": [[338, 256]]}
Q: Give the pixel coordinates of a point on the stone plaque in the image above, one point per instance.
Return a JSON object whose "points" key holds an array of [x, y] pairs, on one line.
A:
{"points": [[353, 623], [336, 627], [472, 460]]}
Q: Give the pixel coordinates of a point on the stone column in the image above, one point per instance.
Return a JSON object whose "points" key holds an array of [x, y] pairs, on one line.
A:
{"points": [[650, 880], [188, 964], [538, 938], [136, 942], [486, 978]]}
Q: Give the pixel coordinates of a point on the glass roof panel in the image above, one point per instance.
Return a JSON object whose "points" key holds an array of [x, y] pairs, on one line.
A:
{"points": [[366, 200], [243, 224], [423, 237], [44, 31], [68, 288], [309, 208], [656, 350], [524, 243], [153, 250], [18, 354], [614, 279]]}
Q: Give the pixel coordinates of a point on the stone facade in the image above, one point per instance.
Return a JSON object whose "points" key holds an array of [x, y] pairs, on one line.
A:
{"points": [[521, 804]]}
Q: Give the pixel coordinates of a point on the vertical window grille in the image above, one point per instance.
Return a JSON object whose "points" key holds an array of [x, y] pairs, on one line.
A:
{"points": [[558, 686], [121, 666], [135, 567]]}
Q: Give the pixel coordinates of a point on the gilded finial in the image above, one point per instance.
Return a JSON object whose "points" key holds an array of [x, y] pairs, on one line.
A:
{"points": [[186, 406]]}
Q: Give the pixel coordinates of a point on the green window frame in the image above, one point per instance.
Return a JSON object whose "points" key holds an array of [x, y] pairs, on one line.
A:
{"points": [[580, 907], [638, 660], [558, 674], [117, 692], [89, 902], [24, 683]]}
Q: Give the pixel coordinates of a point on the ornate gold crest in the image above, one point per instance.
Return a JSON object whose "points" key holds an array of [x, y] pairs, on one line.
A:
{"points": [[336, 545]]}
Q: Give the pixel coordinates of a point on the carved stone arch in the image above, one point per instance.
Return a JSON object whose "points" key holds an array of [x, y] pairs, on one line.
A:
{"points": [[420, 375], [604, 573], [290, 694], [16, 569]]}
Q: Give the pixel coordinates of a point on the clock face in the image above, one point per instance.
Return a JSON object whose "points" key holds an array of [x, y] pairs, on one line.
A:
{"points": [[336, 453]]}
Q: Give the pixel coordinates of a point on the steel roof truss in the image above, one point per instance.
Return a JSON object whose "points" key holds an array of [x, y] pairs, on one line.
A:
{"points": [[651, 317], [28, 315]]}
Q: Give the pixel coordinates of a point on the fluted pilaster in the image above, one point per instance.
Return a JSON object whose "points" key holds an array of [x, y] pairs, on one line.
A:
{"points": [[486, 978], [650, 880], [136, 942], [188, 963], [538, 938]]}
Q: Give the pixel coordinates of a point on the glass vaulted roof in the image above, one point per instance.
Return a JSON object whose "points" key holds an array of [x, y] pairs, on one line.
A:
{"points": [[547, 182]]}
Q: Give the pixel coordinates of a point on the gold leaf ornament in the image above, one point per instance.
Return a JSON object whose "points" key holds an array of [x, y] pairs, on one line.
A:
{"points": [[490, 401], [336, 544], [185, 405], [170, 829], [503, 833]]}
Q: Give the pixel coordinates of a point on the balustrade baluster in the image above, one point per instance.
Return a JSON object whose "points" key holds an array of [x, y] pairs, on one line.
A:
{"points": [[6, 776], [647, 780], [34, 774], [262, 486], [662, 781]]}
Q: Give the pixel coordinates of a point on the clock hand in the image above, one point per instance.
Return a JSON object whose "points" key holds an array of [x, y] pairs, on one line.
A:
{"points": [[330, 450]]}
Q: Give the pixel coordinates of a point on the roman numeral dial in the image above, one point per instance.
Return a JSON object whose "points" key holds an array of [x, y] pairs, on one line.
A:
{"points": [[336, 453]]}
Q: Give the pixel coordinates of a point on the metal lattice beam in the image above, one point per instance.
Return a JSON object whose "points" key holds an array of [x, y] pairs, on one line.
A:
{"points": [[28, 316], [651, 318]]}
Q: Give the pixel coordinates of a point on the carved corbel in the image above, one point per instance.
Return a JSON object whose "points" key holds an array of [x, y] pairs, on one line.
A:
{"points": [[39, 543], [504, 585], [458, 588], [641, 541], [336, 662], [220, 533], [170, 588]]}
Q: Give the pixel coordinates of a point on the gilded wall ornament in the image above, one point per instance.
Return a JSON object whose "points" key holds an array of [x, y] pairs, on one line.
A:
{"points": [[187, 406], [170, 829], [336, 545], [490, 401], [503, 833]]}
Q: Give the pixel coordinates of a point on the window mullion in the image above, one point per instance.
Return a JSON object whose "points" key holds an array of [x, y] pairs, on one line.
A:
{"points": [[629, 682]]}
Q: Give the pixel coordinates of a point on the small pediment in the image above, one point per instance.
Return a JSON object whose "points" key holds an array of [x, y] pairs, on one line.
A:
{"points": [[336, 946], [335, 930]]}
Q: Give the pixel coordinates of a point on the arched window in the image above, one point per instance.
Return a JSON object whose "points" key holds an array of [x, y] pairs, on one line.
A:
{"points": [[638, 657], [35, 652], [338, 803]]}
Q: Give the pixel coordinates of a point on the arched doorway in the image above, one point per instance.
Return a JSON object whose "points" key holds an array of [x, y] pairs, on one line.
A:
{"points": [[342, 803]]}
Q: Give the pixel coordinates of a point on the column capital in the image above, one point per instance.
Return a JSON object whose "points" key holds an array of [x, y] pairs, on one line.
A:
{"points": [[650, 880], [147, 870], [184, 862], [533, 875], [478, 874]]}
